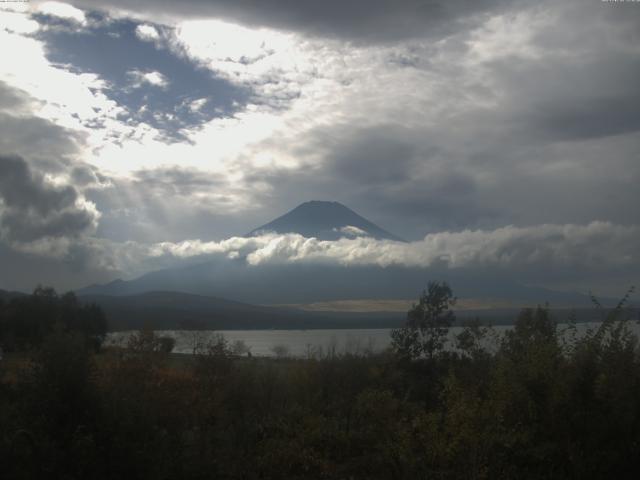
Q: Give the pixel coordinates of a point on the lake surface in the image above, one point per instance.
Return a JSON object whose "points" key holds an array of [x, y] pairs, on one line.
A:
{"points": [[304, 343]]}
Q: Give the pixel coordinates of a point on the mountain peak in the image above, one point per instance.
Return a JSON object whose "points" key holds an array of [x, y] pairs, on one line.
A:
{"points": [[325, 220], [319, 203]]}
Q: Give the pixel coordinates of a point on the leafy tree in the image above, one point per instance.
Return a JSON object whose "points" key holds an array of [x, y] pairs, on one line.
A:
{"points": [[428, 322], [147, 342], [533, 330], [470, 340]]}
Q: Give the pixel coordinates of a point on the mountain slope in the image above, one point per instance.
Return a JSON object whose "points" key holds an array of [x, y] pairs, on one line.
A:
{"points": [[325, 221]]}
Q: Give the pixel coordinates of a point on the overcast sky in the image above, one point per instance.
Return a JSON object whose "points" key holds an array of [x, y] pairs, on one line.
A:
{"points": [[492, 134]]}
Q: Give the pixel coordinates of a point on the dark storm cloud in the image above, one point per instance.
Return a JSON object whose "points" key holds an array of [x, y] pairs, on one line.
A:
{"points": [[20, 189], [33, 137], [358, 20], [378, 155], [593, 118], [37, 138], [567, 99], [43, 226], [33, 209], [10, 98], [392, 170], [84, 175], [445, 200]]}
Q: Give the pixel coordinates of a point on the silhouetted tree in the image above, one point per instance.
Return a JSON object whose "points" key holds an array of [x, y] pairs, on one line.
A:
{"points": [[428, 322], [26, 321]]}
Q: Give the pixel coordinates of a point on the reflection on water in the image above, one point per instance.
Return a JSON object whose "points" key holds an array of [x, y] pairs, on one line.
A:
{"points": [[306, 343]]}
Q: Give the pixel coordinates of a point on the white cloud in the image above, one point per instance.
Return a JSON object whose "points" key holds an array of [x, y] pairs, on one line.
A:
{"points": [[274, 64], [63, 10], [197, 105], [595, 247], [72, 100], [598, 244], [298, 85], [351, 231], [77, 102], [147, 32], [154, 78], [15, 22], [509, 35]]}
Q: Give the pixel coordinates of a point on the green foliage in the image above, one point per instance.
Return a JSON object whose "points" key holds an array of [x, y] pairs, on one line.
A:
{"points": [[470, 341], [539, 405], [428, 322]]}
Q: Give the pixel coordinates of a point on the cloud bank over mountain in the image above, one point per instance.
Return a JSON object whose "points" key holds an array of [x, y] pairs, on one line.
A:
{"points": [[569, 251]]}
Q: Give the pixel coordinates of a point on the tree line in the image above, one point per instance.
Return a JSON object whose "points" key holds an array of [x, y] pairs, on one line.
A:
{"points": [[543, 404], [27, 320]]}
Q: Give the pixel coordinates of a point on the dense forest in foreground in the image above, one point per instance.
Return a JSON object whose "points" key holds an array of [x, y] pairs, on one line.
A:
{"points": [[546, 404]]}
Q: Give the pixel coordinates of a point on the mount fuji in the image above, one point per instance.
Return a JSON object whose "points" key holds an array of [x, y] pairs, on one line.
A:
{"points": [[324, 221]]}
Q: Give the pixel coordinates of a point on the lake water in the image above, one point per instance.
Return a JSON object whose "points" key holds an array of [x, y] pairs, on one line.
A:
{"points": [[304, 343]]}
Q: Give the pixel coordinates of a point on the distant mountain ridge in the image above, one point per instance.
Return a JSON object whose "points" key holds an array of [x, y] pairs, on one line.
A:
{"points": [[325, 221]]}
